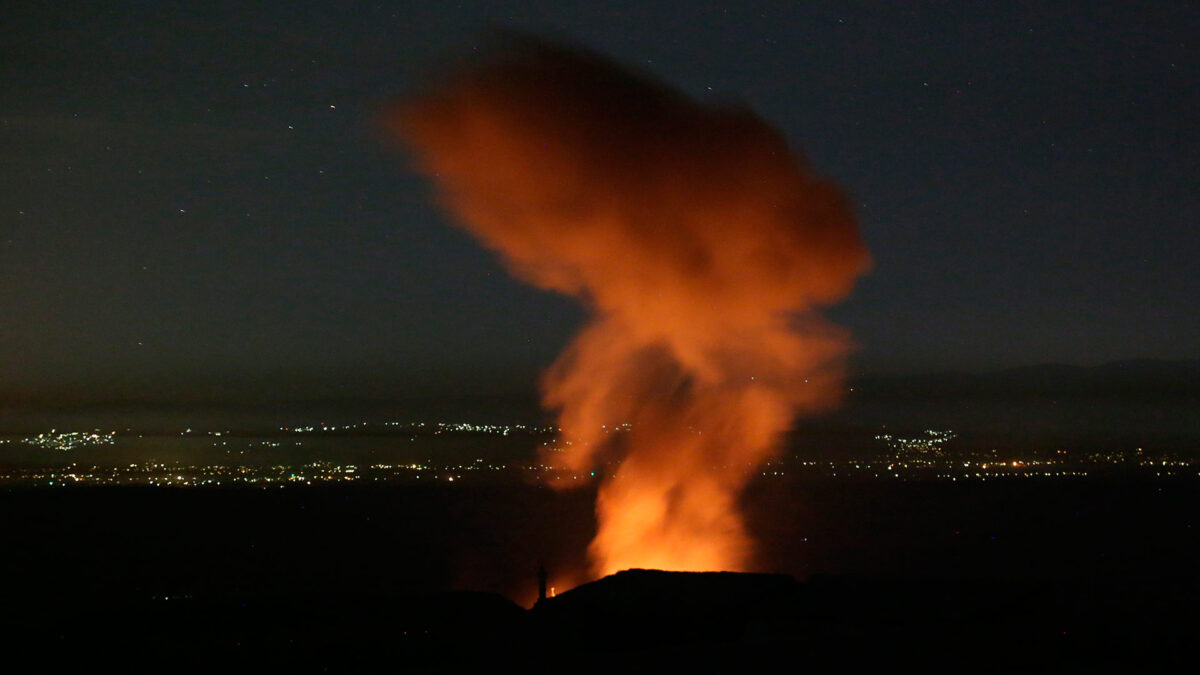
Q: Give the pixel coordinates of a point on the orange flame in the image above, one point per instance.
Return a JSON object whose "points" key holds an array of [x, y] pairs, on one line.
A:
{"points": [[703, 247]]}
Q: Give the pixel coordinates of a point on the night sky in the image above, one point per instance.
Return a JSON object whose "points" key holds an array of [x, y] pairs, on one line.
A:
{"points": [[200, 201]]}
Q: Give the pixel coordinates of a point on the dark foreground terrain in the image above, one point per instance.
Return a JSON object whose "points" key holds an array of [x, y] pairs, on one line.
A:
{"points": [[1020, 576]]}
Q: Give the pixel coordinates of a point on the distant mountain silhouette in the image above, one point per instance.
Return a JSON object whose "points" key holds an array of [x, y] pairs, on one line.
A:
{"points": [[643, 589], [670, 607], [1130, 378], [655, 621], [648, 621]]}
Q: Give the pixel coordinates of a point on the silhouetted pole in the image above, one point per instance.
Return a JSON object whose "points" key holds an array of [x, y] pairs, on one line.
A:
{"points": [[542, 582]]}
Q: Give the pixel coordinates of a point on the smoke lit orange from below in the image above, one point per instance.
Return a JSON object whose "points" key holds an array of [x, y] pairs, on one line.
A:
{"points": [[703, 247]]}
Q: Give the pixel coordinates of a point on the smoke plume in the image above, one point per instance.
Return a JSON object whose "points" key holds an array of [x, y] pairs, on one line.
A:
{"points": [[701, 244]]}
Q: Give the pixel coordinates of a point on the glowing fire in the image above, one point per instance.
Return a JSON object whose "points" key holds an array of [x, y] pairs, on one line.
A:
{"points": [[701, 244]]}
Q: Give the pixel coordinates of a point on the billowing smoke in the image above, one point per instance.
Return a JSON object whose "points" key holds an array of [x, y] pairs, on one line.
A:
{"points": [[702, 246]]}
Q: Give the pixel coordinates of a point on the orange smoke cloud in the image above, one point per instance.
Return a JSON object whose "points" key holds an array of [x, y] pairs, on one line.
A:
{"points": [[702, 245]]}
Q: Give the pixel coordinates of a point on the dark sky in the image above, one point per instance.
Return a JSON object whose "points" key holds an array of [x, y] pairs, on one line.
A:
{"points": [[197, 201]]}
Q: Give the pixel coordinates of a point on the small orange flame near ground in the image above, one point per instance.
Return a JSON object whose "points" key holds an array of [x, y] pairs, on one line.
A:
{"points": [[703, 247]]}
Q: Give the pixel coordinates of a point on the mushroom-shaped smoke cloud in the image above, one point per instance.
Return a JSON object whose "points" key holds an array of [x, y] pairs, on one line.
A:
{"points": [[703, 247]]}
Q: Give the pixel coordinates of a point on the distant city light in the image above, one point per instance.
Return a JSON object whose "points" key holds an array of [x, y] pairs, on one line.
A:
{"points": [[930, 455]]}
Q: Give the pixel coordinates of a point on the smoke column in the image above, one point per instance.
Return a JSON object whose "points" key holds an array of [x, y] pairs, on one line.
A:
{"points": [[703, 247]]}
